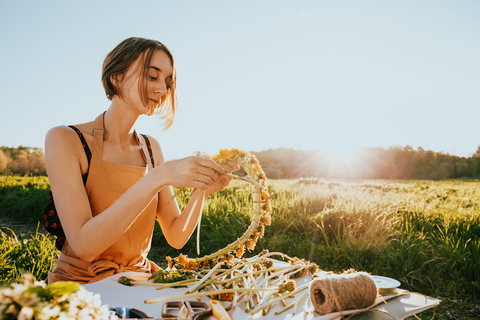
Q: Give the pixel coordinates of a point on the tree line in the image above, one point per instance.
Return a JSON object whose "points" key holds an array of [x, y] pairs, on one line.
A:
{"points": [[396, 162], [22, 161]]}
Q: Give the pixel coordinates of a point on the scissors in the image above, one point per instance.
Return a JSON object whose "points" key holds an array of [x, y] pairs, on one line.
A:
{"points": [[186, 310], [129, 313]]}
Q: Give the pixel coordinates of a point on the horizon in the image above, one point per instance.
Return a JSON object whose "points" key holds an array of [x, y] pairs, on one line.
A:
{"points": [[330, 76], [331, 157]]}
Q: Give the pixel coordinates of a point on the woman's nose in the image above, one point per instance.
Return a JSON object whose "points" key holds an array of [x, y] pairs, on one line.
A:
{"points": [[161, 87]]}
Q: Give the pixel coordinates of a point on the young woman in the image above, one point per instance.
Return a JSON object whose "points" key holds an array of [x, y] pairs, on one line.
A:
{"points": [[109, 183]]}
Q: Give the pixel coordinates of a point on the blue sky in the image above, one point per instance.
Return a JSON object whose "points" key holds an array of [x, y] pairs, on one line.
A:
{"points": [[330, 75]]}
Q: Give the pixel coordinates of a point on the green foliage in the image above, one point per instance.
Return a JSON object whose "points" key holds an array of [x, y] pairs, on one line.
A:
{"points": [[23, 198], [162, 276], [55, 290], [25, 254]]}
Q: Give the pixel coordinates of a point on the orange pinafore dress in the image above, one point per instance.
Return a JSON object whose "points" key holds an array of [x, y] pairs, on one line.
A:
{"points": [[106, 182]]}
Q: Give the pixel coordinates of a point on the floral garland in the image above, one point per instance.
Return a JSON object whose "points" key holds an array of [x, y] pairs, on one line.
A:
{"points": [[261, 212], [32, 299]]}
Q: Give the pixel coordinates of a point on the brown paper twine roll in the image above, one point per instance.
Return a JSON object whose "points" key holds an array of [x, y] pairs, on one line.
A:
{"points": [[339, 292]]}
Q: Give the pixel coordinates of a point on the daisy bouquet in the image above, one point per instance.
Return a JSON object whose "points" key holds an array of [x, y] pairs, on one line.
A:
{"points": [[30, 299]]}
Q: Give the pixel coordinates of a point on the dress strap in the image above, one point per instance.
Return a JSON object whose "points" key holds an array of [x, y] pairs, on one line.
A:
{"points": [[98, 133]]}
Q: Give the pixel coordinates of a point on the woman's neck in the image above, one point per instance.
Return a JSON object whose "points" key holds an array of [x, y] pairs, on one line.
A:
{"points": [[119, 122]]}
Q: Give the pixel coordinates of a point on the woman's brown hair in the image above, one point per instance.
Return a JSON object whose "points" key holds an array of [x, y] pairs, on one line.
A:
{"points": [[121, 58]]}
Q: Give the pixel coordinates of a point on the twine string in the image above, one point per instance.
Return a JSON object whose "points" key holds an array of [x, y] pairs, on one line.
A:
{"points": [[347, 291]]}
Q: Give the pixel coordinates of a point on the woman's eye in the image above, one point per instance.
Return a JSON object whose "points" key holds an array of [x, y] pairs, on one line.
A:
{"points": [[152, 77]]}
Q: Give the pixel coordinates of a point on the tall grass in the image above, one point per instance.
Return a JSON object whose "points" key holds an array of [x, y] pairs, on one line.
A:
{"points": [[425, 234], [25, 254]]}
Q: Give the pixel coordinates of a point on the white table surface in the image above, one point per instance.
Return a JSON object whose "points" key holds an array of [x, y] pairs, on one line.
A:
{"points": [[115, 294]]}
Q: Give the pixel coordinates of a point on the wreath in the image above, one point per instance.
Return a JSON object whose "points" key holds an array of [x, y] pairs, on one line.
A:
{"points": [[261, 213]]}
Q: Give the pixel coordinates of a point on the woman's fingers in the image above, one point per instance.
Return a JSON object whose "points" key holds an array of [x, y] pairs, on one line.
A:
{"points": [[212, 174], [212, 171], [233, 166], [210, 164], [202, 173], [226, 179], [198, 185]]}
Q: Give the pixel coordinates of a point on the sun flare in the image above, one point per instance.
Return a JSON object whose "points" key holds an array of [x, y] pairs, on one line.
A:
{"points": [[343, 162]]}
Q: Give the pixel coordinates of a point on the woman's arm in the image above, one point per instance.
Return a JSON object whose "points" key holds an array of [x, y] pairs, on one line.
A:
{"points": [[89, 236], [171, 219]]}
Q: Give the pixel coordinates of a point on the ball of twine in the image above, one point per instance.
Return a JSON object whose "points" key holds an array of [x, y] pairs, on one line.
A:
{"points": [[340, 292]]}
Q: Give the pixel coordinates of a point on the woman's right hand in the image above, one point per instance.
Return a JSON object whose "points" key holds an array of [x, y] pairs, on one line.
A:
{"points": [[190, 172]]}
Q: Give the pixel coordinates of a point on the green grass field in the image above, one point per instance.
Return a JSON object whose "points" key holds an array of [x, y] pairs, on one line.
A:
{"points": [[426, 234]]}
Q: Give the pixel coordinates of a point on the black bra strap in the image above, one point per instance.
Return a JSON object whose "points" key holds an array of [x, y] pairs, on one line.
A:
{"points": [[149, 148], [88, 153]]}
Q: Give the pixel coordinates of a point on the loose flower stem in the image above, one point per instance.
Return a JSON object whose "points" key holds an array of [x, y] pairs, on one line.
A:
{"points": [[288, 294], [199, 283], [207, 293], [175, 284], [131, 282], [244, 179], [175, 195], [302, 297], [293, 304], [199, 222], [191, 210]]}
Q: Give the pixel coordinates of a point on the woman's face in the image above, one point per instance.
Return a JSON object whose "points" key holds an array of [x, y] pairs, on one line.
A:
{"points": [[158, 78]]}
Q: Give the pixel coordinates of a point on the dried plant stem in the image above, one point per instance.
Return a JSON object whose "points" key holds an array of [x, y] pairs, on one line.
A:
{"points": [[144, 283], [174, 284], [281, 297], [202, 280], [199, 221], [205, 281], [265, 281], [245, 179], [293, 304], [207, 293], [243, 275], [175, 195], [191, 210]]}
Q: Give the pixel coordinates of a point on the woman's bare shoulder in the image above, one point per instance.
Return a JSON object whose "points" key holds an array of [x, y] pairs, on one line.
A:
{"points": [[62, 144], [57, 134], [65, 133]]}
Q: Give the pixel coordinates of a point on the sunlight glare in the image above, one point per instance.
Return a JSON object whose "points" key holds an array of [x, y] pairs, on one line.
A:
{"points": [[339, 153], [344, 162]]}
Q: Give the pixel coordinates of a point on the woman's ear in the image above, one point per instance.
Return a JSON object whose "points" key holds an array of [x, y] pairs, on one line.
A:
{"points": [[115, 79]]}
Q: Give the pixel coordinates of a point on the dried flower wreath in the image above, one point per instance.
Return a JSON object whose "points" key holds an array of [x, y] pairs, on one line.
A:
{"points": [[261, 212]]}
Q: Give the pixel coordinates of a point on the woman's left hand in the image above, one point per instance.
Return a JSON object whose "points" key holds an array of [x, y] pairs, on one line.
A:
{"points": [[223, 179]]}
